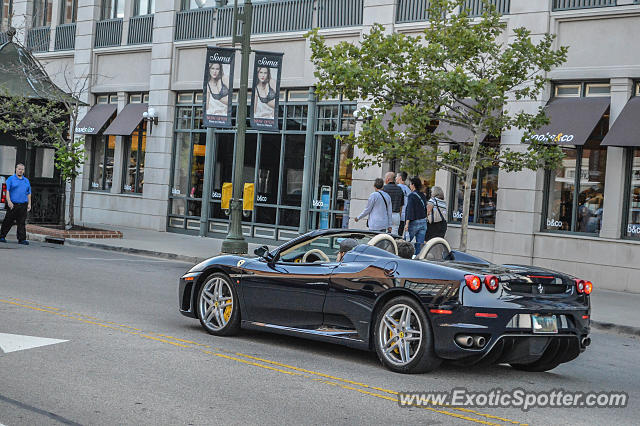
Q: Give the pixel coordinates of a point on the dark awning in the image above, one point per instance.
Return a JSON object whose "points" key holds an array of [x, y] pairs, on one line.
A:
{"points": [[626, 129], [571, 120], [95, 119], [127, 121]]}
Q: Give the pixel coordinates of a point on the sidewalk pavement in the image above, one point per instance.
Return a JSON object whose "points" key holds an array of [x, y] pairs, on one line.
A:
{"points": [[611, 310]]}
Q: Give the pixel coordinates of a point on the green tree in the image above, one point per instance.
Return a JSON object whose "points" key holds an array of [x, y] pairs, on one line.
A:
{"points": [[458, 71]]}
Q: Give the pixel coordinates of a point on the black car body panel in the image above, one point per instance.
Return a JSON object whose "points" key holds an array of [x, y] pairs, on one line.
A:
{"points": [[337, 301]]}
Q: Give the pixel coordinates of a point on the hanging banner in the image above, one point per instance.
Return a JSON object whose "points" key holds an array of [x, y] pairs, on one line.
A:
{"points": [[266, 91], [218, 87]]}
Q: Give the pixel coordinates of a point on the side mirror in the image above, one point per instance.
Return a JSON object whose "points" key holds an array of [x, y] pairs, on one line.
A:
{"points": [[263, 252]]}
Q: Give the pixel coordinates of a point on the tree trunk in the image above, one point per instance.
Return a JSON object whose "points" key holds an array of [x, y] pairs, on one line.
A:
{"points": [[471, 168]]}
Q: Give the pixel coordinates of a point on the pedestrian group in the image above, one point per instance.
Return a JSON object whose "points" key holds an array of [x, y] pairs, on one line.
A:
{"points": [[415, 215]]}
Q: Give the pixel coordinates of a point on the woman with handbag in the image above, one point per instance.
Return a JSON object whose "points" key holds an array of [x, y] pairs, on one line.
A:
{"points": [[436, 214]]}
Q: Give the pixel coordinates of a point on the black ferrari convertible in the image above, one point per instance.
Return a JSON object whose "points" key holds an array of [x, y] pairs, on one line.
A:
{"points": [[441, 305]]}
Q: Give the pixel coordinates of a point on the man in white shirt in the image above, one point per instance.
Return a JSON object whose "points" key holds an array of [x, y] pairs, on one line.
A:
{"points": [[378, 209], [401, 178]]}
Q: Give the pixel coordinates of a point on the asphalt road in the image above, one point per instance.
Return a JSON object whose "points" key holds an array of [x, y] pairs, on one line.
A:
{"points": [[131, 358]]}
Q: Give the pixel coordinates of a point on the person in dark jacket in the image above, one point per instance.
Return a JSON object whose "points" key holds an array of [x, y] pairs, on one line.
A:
{"points": [[416, 214], [397, 198]]}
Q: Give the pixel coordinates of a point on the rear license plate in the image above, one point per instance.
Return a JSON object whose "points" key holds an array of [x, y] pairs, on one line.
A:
{"points": [[544, 323]]}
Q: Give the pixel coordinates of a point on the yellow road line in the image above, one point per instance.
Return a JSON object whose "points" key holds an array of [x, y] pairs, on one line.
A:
{"points": [[373, 387], [390, 398], [301, 372]]}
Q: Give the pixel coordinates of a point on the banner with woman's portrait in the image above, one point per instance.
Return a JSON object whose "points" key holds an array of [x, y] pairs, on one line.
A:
{"points": [[266, 91], [218, 87]]}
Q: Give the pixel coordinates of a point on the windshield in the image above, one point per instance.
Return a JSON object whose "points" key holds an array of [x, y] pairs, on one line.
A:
{"points": [[321, 248]]}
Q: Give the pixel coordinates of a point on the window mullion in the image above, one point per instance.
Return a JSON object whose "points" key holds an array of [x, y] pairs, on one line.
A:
{"points": [[136, 180], [576, 189]]}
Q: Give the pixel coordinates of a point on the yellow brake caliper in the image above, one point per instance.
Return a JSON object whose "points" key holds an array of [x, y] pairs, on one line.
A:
{"points": [[396, 349], [227, 312]]}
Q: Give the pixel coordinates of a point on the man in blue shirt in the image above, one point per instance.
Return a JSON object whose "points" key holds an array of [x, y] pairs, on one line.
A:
{"points": [[18, 204]]}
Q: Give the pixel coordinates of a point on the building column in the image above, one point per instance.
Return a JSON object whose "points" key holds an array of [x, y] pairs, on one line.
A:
{"points": [[614, 191], [381, 12], [307, 177], [160, 140], [520, 194], [83, 78], [22, 19], [55, 20]]}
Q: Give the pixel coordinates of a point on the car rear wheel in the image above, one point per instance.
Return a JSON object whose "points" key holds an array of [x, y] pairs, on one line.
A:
{"points": [[403, 337], [218, 306]]}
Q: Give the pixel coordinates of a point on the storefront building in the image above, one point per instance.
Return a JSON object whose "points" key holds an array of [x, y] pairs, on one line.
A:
{"points": [[583, 218]]}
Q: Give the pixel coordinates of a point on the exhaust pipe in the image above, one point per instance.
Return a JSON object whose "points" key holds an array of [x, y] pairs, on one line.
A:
{"points": [[586, 341], [464, 341], [479, 341]]}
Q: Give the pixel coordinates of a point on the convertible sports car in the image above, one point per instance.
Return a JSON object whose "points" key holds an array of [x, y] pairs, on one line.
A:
{"points": [[442, 305]]}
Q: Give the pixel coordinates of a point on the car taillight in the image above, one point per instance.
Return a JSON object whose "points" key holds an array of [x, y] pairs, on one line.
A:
{"points": [[3, 194], [580, 286], [473, 282], [491, 282], [588, 287]]}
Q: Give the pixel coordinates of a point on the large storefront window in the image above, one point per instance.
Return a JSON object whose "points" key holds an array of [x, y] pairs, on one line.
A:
{"points": [[103, 149], [484, 197], [575, 191], [633, 193], [273, 163], [333, 172], [484, 194], [134, 149], [188, 163]]}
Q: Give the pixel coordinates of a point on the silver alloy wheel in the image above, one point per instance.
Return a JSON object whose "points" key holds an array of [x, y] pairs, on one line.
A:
{"points": [[400, 334], [216, 303]]}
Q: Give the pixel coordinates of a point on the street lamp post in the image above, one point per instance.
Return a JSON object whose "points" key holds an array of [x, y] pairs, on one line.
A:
{"points": [[235, 242]]}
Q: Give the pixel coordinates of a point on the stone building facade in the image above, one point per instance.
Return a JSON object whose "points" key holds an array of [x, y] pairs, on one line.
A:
{"points": [[583, 219]]}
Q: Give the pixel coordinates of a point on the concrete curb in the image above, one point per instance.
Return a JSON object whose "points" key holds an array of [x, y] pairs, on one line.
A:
{"points": [[616, 328], [142, 252]]}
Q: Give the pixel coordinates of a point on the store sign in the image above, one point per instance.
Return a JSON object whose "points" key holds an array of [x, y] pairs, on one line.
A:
{"points": [[633, 229], [218, 87], [265, 97], [457, 215], [547, 137], [552, 223], [85, 130]]}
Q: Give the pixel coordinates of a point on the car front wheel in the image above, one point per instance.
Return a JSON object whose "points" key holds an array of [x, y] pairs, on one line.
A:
{"points": [[403, 338], [218, 306]]}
